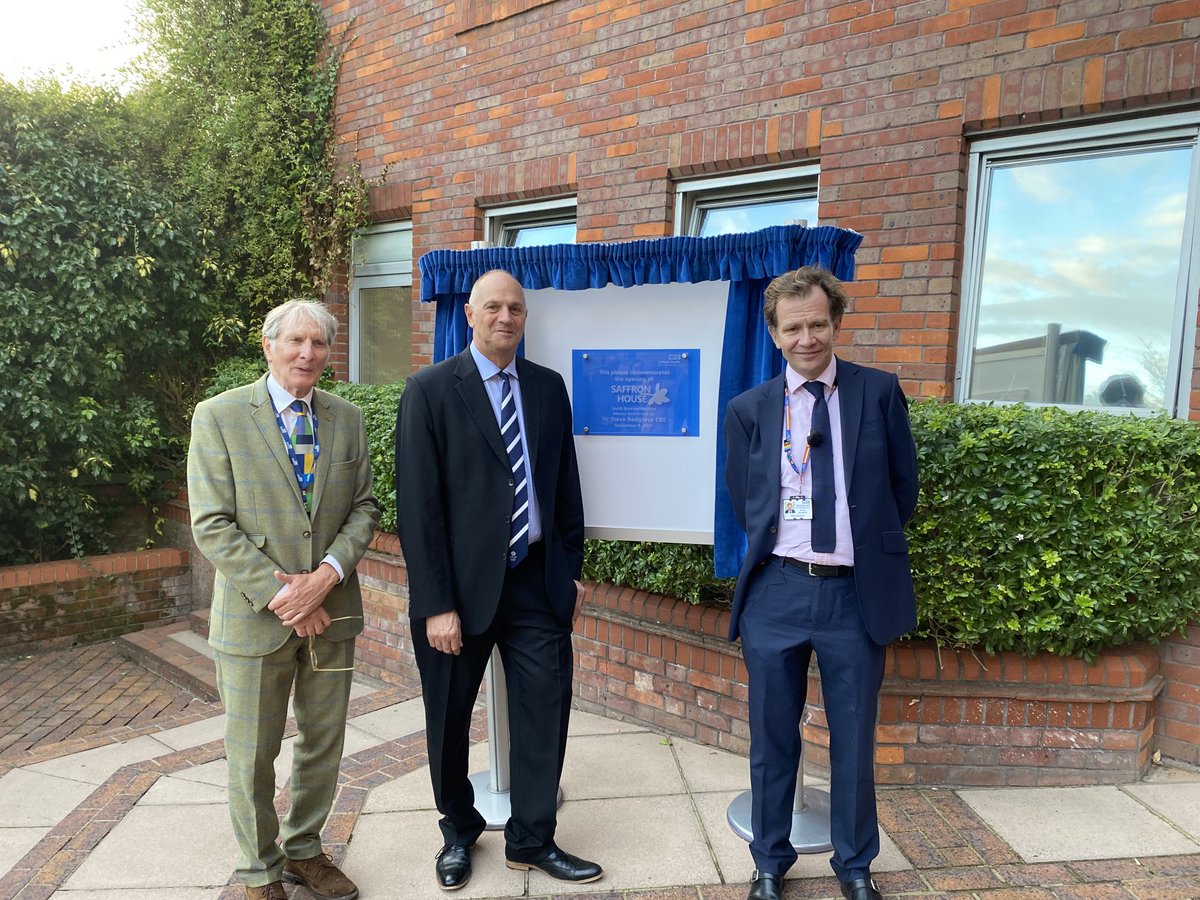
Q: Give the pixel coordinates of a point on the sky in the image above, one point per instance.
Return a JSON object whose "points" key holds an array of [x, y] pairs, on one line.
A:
{"points": [[78, 40]]}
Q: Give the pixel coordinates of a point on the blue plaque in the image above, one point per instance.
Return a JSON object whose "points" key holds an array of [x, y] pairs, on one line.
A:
{"points": [[636, 392]]}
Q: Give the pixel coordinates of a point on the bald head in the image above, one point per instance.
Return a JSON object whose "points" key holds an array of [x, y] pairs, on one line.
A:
{"points": [[496, 314]]}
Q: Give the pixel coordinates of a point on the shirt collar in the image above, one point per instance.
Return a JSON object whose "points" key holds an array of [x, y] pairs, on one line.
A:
{"points": [[281, 398], [796, 381], [487, 368]]}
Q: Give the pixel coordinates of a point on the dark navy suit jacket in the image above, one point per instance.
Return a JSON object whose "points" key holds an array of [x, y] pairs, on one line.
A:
{"points": [[880, 462]]}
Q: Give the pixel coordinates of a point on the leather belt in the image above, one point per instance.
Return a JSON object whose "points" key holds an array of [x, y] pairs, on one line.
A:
{"points": [[817, 570]]}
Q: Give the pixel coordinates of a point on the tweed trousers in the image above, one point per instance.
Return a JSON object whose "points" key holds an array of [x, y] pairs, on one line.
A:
{"points": [[255, 692]]}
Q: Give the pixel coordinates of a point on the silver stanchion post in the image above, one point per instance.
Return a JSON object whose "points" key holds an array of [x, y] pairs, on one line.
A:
{"points": [[492, 798], [810, 814]]}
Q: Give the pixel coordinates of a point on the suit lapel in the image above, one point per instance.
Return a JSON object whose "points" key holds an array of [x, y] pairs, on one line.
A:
{"points": [[263, 414], [770, 417], [850, 404], [326, 435], [531, 403], [474, 395]]}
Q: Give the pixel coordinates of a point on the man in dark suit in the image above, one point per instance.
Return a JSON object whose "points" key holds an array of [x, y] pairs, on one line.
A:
{"points": [[822, 473], [490, 518]]}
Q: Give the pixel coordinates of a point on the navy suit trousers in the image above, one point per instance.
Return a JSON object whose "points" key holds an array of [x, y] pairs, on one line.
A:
{"points": [[788, 616]]}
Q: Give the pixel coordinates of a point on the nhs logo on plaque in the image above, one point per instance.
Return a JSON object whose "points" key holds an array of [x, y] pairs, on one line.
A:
{"points": [[636, 392]]}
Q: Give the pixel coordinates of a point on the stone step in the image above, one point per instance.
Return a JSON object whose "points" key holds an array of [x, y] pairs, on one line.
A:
{"points": [[176, 652]]}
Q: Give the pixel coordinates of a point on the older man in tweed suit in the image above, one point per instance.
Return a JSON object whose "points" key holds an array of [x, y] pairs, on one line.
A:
{"points": [[279, 483]]}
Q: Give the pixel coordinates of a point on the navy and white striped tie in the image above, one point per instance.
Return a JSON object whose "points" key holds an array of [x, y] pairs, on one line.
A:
{"points": [[510, 431]]}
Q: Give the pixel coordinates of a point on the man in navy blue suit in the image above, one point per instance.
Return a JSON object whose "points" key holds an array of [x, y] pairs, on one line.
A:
{"points": [[822, 473]]}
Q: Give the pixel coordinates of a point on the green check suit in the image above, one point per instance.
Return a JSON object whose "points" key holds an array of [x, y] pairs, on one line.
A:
{"points": [[248, 519]]}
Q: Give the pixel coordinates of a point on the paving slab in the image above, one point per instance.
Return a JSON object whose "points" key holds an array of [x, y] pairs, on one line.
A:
{"points": [[194, 734], [38, 799], [413, 791], [1075, 823], [171, 791], [732, 853], [589, 723], [1179, 804], [158, 847], [622, 764], [16, 842], [195, 642], [392, 722], [642, 842], [96, 766], [127, 894], [392, 858], [711, 769]]}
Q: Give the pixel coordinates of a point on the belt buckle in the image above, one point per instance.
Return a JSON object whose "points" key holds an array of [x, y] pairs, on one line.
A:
{"points": [[808, 567]]}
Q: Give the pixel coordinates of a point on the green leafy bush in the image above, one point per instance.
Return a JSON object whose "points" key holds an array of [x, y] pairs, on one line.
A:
{"points": [[1043, 530], [1037, 530], [102, 300], [684, 571]]}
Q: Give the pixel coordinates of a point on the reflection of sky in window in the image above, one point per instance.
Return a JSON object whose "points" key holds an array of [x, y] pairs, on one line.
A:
{"points": [[1090, 243], [756, 216], [539, 235]]}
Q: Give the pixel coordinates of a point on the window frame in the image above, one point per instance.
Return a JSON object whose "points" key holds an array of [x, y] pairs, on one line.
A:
{"points": [[501, 224], [695, 196], [1105, 139], [391, 273]]}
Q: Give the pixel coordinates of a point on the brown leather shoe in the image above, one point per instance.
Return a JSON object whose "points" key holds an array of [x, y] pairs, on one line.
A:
{"points": [[272, 891], [321, 877]]}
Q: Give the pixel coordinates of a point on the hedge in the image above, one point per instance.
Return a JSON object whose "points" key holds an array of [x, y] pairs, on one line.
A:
{"points": [[1037, 529]]}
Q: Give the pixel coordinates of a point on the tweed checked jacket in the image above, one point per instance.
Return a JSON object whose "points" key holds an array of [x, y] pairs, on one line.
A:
{"points": [[248, 516]]}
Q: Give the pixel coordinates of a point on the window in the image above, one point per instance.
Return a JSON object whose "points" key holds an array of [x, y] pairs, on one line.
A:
{"points": [[381, 304], [746, 202], [531, 224], [1081, 277]]}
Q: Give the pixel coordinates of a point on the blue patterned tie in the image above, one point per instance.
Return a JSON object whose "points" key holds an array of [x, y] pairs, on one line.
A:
{"points": [[510, 432], [824, 531], [303, 445]]}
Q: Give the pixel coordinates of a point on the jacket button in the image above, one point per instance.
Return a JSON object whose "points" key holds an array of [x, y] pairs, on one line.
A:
{"points": [[511, 482], [304, 571], [772, 529], [307, 534]]}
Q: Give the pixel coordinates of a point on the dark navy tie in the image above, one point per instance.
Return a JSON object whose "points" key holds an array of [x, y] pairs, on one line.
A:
{"points": [[824, 531], [510, 432]]}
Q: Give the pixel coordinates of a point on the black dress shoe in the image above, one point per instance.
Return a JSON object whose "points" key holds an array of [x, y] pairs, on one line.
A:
{"points": [[765, 886], [860, 889], [453, 867], [559, 864]]}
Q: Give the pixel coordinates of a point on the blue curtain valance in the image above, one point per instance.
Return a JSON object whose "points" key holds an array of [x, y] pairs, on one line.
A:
{"points": [[747, 261]]}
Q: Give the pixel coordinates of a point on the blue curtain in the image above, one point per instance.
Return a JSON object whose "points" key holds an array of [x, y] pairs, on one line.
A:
{"points": [[747, 261]]}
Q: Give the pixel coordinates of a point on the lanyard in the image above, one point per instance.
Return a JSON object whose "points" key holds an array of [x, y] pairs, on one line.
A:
{"points": [[787, 439]]}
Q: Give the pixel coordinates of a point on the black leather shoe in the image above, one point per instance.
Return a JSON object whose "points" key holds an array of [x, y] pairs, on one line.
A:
{"points": [[453, 866], [765, 886], [559, 864], [860, 889]]}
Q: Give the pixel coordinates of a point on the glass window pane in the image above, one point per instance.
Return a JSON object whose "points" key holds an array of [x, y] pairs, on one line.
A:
{"points": [[383, 246], [1079, 279], [384, 334], [540, 235], [755, 216]]}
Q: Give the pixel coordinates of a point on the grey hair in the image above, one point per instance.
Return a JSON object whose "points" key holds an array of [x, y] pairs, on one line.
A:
{"points": [[288, 314]]}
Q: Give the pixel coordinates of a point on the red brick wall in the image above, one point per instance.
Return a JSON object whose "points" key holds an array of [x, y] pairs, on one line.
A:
{"points": [[471, 104], [1178, 727], [946, 717], [76, 601]]}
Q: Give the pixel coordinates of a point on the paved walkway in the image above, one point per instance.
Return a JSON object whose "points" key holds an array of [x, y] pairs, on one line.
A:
{"points": [[132, 807]]}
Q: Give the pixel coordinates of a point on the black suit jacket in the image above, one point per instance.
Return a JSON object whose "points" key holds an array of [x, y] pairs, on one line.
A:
{"points": [[454, 490], [880, 462]]}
